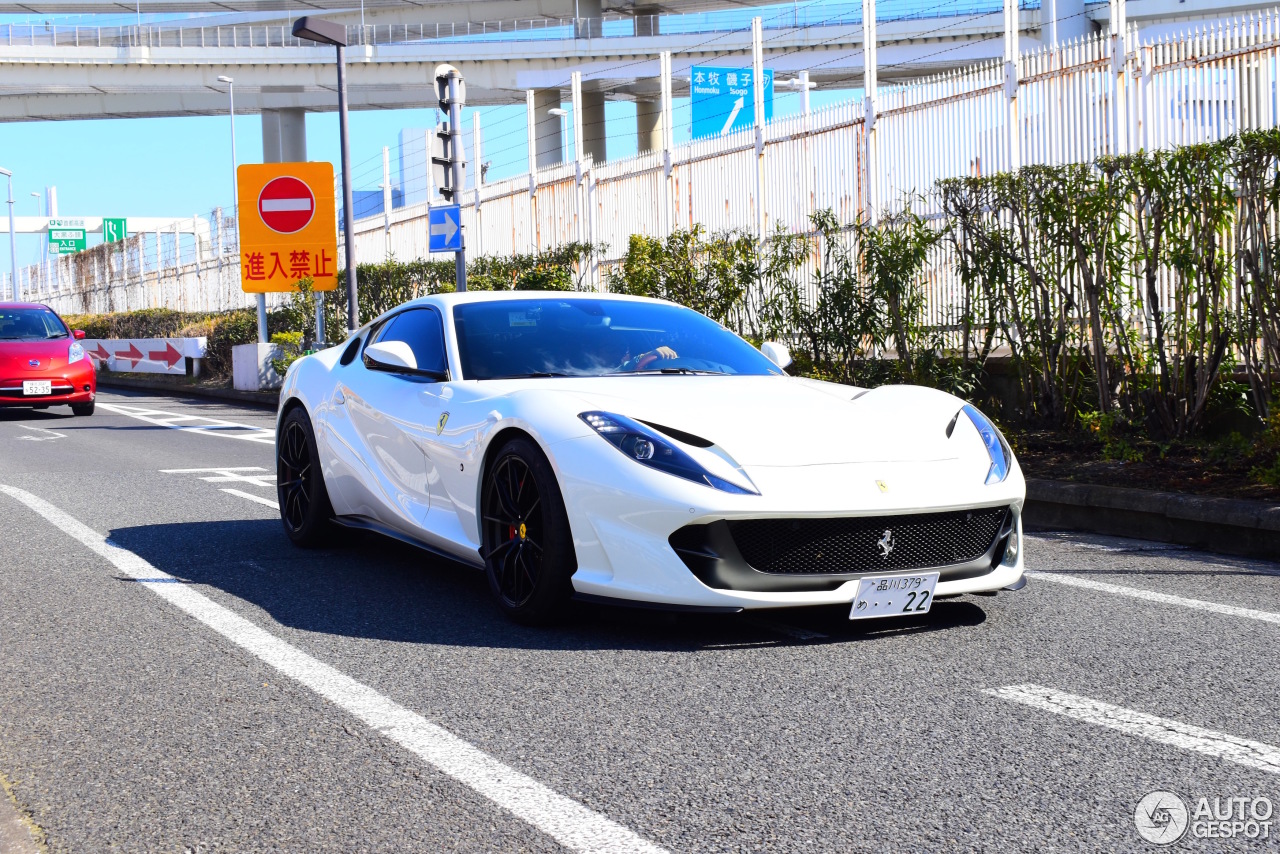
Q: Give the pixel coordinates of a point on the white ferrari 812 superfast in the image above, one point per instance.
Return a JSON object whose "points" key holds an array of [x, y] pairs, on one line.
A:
{"points": [[603, 447]]}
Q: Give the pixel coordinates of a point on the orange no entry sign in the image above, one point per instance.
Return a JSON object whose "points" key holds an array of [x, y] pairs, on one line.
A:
{"points": [[287, 226]]}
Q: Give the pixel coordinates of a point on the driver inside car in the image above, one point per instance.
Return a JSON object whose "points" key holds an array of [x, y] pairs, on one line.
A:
{"points": [[644, 360]]}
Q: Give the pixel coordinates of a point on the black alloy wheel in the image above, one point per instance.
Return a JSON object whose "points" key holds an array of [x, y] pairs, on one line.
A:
{"points": [[304, 502], [526, 544]]}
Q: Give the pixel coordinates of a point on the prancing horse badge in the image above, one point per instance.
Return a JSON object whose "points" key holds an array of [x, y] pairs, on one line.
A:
{"points": [[444, 419], [884, 487]]}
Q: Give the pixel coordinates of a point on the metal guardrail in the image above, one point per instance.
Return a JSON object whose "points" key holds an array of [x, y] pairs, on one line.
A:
{"points": [[182, 35]]}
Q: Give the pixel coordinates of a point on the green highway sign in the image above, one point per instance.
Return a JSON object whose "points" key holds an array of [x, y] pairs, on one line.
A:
{"points": [[66, 236], [113, 229], [65, 240]]}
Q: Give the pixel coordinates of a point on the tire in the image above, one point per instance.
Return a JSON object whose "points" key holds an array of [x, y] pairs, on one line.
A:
{"points": [[526, 541], [305, 510], [82, 408]]}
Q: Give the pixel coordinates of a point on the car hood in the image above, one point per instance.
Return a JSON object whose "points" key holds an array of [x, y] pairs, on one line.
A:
{"points": [[779, 421], [15, 355]]}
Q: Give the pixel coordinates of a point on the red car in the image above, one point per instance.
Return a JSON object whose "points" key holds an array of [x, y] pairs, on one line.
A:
{"points": [[42, 362]]}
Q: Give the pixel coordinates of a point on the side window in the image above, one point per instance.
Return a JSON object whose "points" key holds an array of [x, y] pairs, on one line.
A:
{"points": [[423, 331]]}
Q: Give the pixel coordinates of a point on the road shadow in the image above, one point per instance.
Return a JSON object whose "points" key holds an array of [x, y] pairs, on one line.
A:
{"points": [[376, 588], [17, 414]]}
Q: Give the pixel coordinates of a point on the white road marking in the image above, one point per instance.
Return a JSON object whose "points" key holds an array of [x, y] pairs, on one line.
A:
{"points": [[1152, 596], [231, 475], [565, 820], [270, 502], [211, 426], [785, 629], [52, 434], [1220, 745]]}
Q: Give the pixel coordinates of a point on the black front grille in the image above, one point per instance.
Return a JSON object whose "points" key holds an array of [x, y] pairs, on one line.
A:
{"points": [[867, 544]]}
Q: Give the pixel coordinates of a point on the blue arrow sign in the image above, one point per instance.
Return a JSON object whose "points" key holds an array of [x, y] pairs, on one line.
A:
{"points": [[723, 99], [444, 229]]}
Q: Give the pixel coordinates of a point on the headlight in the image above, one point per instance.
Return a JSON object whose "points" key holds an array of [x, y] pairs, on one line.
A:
{"points": [[75, 353], [649, 448], [997, 448]]}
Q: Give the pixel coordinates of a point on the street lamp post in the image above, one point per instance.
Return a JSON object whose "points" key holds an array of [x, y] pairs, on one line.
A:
{"points": [[44, 250], [235, 203], [327, 32], [13, 243], [562, 114]]}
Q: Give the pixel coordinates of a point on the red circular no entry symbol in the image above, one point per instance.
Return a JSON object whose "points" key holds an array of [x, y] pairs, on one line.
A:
{"points": [[286, 205]]}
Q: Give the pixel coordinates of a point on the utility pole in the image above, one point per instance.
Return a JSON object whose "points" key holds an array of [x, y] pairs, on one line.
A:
{"points": [[448, 161]]}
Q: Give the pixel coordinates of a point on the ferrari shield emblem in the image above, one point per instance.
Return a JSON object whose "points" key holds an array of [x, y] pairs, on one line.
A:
{"points": [[884, 487], [444, 419]]}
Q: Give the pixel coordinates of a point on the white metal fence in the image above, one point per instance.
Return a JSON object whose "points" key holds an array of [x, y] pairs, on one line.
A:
{"points": [[1066, 104]]}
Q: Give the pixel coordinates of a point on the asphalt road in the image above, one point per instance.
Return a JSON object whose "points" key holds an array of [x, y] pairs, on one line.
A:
{"points": [[129, 722]]}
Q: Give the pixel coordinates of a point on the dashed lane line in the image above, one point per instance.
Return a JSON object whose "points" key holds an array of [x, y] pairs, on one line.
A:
{"points": [[1220, 745], [209, 426], [564, 819], [1152, 596]]}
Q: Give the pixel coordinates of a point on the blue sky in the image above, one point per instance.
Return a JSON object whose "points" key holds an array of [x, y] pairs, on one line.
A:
{"points": [[182, 166]]}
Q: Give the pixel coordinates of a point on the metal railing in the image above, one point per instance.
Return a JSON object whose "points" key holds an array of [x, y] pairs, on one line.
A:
{"points": [[183, 34]]}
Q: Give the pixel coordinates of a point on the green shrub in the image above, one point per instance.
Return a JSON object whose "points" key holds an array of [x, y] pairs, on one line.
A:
{"points": [[290, 344]]}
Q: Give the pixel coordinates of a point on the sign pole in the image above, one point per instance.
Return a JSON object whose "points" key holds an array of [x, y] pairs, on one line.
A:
{"points": [[13, 247], [348, 216], [455, 151]]}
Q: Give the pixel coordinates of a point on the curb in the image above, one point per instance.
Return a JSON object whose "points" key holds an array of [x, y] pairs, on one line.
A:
{"points": [[265, 399], [1228, 525]]}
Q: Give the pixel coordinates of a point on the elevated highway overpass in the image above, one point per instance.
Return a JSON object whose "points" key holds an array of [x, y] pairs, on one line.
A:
{"points": [[172, 69]]}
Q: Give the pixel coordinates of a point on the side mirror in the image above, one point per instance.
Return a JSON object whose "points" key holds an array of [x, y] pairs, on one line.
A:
{"points": [[391, 355], [78, 333], [776, 353]]}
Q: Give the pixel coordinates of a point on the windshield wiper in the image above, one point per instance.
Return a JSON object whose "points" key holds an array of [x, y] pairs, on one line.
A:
{"points": [[534, 375], [690, 371]]}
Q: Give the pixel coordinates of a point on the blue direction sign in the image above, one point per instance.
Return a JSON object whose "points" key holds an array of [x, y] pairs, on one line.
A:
{"points": [[444, 229], [723, 99]]}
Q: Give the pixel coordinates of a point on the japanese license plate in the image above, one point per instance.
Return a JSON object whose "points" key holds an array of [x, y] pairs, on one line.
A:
{"points": [[894, 595], [37, 387]]}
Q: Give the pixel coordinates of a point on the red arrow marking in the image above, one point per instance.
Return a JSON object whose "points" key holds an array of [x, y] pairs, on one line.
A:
{"points": [[133, 355], [169, 355], [101, 353]]}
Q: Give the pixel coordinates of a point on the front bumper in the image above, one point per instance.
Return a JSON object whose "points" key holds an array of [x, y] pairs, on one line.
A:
{"points": [[74, 383], [622, 533]]}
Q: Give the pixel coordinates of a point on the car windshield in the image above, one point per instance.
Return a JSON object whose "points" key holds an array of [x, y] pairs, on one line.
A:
{"points": [[582, 337], [30, 324]]}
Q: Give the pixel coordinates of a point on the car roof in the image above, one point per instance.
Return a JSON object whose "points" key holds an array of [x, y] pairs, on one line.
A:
{"points": [[4, 305], [452, 299]]}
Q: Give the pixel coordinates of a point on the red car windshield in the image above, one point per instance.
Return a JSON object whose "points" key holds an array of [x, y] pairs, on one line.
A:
{"points": [[30, 324]]}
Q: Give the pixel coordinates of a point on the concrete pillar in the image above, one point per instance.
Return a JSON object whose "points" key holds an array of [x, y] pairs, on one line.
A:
{"points": [[593, 129], [284, 136], [588, 24], [1063, 21], [648, 124], [546, 127], [645, 21]]}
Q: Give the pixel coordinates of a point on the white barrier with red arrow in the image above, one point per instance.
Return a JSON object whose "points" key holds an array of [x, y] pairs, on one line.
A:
{"points": [[145, 355]]}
